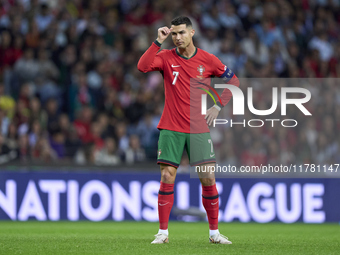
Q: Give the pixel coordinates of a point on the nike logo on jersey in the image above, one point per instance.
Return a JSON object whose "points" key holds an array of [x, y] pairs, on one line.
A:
{"points": [[175, 66], [214, 203], [212, 155], [163, 204]]}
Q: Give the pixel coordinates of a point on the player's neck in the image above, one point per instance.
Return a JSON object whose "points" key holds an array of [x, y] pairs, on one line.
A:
{"points": [[187, 52]]}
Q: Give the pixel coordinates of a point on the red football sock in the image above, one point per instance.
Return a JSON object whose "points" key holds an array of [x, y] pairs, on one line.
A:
{"points": [[165, 202], [211, 205]]}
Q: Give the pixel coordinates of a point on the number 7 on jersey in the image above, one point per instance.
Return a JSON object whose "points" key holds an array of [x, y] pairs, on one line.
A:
{"points": [[175, 78]]}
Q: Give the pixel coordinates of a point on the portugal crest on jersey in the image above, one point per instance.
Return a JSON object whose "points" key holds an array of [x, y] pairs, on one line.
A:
{"points": [[200, 69]]}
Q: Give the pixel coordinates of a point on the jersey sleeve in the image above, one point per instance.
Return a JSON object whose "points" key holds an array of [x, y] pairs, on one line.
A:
{"points": [[222, 71], [151, 60]]}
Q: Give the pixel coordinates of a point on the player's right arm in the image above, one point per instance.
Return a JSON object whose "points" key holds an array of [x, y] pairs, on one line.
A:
{"points": [[151, 61]]}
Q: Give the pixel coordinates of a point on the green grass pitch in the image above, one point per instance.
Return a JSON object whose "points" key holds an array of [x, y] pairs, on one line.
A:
{"points": [[185, 238]]}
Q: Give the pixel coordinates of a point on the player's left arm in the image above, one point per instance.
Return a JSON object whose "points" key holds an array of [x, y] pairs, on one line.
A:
{"points": [[221, 71]]}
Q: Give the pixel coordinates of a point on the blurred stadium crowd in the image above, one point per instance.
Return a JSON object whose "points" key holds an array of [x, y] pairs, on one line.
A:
{"points": [[70, 90]]}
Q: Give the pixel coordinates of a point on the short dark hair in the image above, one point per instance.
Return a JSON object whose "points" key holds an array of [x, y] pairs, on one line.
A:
{"points": [[181, 20]]}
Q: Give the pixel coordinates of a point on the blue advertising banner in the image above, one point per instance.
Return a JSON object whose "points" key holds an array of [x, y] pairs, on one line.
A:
{"points": [[133, 196]]}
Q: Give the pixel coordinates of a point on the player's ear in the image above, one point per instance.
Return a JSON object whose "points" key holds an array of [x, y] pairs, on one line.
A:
{"points": [[192, 32]]}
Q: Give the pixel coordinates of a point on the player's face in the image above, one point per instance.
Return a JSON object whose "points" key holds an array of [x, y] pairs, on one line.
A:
{"points": [[182, 35]]}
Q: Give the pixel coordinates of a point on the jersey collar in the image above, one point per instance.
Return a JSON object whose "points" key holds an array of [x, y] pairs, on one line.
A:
{"points": [[184, 56]]}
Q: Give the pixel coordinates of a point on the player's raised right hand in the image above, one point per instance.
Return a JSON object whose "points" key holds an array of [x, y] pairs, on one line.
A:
{"points": [[163, 33]]}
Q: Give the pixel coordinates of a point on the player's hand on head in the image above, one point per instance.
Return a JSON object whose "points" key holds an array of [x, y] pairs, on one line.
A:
{"points": [[211, 115], [163, 33]]}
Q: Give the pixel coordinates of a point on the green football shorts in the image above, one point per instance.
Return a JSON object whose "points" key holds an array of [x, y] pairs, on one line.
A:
{"points": [[171, 145]]}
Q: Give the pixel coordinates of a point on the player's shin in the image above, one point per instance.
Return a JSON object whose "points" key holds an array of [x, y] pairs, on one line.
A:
{"points": [[165, 202], [211, 205]]}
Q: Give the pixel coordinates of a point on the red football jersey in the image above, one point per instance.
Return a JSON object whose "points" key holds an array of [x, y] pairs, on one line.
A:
{"points": [[182, 78]]}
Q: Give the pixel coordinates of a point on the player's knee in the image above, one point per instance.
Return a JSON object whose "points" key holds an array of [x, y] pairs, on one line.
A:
{"points": [[168, 174], [208, 181], [167, 177]]}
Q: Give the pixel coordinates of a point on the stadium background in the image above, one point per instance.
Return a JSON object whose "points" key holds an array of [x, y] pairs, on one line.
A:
{"points": [[72, 99]]}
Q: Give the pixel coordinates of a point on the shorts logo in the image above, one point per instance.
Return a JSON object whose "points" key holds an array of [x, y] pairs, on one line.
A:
{"points": [[159, 152]]}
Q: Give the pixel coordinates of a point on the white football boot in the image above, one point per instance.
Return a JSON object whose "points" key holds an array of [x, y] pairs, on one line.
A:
{"points": [[218, 238], [161, 238]]}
